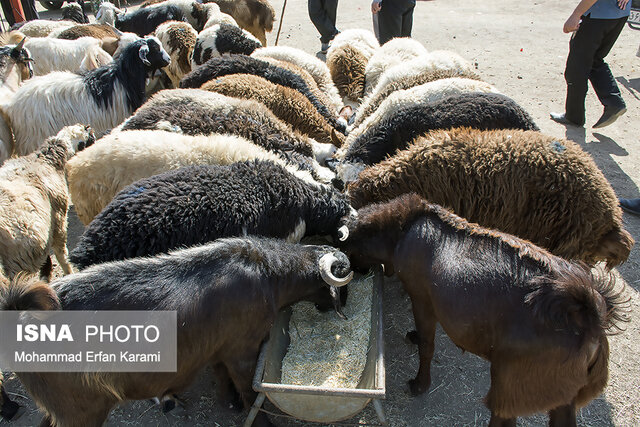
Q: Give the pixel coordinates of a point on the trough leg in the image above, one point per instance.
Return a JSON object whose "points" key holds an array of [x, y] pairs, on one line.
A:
{"points": [[254, 410], [379, 412], [426, 331], [563, 416]]}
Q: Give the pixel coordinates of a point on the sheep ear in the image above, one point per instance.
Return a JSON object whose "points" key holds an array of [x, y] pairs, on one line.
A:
{"points": [[21, 44], [142, 53]]}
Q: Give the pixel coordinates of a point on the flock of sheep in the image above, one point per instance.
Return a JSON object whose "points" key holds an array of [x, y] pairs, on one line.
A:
{"points": [[202, 132]]}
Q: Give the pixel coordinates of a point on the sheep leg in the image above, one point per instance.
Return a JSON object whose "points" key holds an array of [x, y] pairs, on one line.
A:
{"points": [[46, 269], [60, 242], [563, 416], [426, 331], [497, 421], [227, 393], [241, 371]]}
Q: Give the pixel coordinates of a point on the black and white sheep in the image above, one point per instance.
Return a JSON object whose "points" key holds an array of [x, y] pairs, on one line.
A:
{"points": [[98, 173], [419, 95], [142, 21], [477, 110], [51, 54], [287, 104], [195, 13], [538, 187], [179, 40], [102, 98], [313, 65], [198, 204], [221, 39], [33, 205], [242, 64], [435, 65]]}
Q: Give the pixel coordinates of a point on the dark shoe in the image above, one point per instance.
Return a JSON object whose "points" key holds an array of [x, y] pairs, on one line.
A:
{"points": [[562, 119], [324, 47], [631, 205], [609, 116]]}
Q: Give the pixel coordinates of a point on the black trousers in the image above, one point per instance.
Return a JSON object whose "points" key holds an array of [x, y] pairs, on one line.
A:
{"points": [[29, 7], [587, 49], [395, 20], [323, 16]]}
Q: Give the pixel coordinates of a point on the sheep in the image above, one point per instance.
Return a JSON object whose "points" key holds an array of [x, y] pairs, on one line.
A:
{"points": [[476, 109], [313, 65], [226, 295], [98, 31], [198, 112], [394, 52], [540, 188], [33, 205], [51, 54], [254, 197], [102, 98], [242, 64], [221, 39], [179, 40], [423, 69], [255, 16], [419, 95], [141, 21], [72, 15], [98, 173], [347, 58], [196, 13], [15, 67], [287, 104]]}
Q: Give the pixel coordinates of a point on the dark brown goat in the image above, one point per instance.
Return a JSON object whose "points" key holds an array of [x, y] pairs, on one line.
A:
{"points": [[226, 295], [539, 320]]}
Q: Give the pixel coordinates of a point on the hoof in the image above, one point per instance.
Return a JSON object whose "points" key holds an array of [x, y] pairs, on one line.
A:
{"points": [[412, 337], [11, 411], [168, 405], [415, 389]]}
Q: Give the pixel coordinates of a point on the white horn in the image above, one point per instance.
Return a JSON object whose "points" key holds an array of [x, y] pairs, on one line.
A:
{"points": [[343, 233], [325, 263]]}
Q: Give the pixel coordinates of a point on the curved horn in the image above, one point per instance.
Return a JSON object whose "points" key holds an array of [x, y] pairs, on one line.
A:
{"points": [[343, 233], [325, 263], [142, 53]]}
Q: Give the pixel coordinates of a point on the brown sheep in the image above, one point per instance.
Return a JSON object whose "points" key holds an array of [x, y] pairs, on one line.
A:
{"points": [[179, 40], [287, 104], [347, 65], [98, 31], [541, 321], [538, 187]]}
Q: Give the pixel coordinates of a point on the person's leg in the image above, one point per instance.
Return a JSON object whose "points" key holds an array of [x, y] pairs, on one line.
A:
{"points": [[323, 16], [389, 23], [601, 77], [8, 12], [30, 12], [582, 50], [407, 22]]}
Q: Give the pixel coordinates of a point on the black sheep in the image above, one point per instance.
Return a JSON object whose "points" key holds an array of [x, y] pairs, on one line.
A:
{"points": [[198, 204], [242, 64], [145, 21], [483, 111]]}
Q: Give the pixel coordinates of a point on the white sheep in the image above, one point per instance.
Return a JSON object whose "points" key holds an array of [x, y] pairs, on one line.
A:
{"points": [[426, 93], [363, 40], [51, 54], [102, 98], [33, 205], [44, 27], [395, 51], [98, 173], [423, 68], [178, 39], [313, 65]]}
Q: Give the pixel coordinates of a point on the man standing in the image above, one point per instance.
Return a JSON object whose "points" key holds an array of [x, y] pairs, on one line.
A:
{"points": [[395, 18], [323, 16], [596, 25]]}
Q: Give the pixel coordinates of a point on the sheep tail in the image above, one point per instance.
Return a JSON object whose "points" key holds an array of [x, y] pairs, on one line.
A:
{"points": [[26, 293], [575, 300]]}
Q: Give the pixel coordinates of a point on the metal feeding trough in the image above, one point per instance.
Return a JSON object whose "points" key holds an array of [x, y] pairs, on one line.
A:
{"points": [[321, 404]]}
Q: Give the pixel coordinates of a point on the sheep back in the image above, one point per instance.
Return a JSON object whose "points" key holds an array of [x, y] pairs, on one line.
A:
{"points": [[197, 204], [347, 66], [538, 187]]}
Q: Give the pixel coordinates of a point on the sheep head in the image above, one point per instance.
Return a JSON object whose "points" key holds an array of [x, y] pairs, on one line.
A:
{"points": [[153, 55]]}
